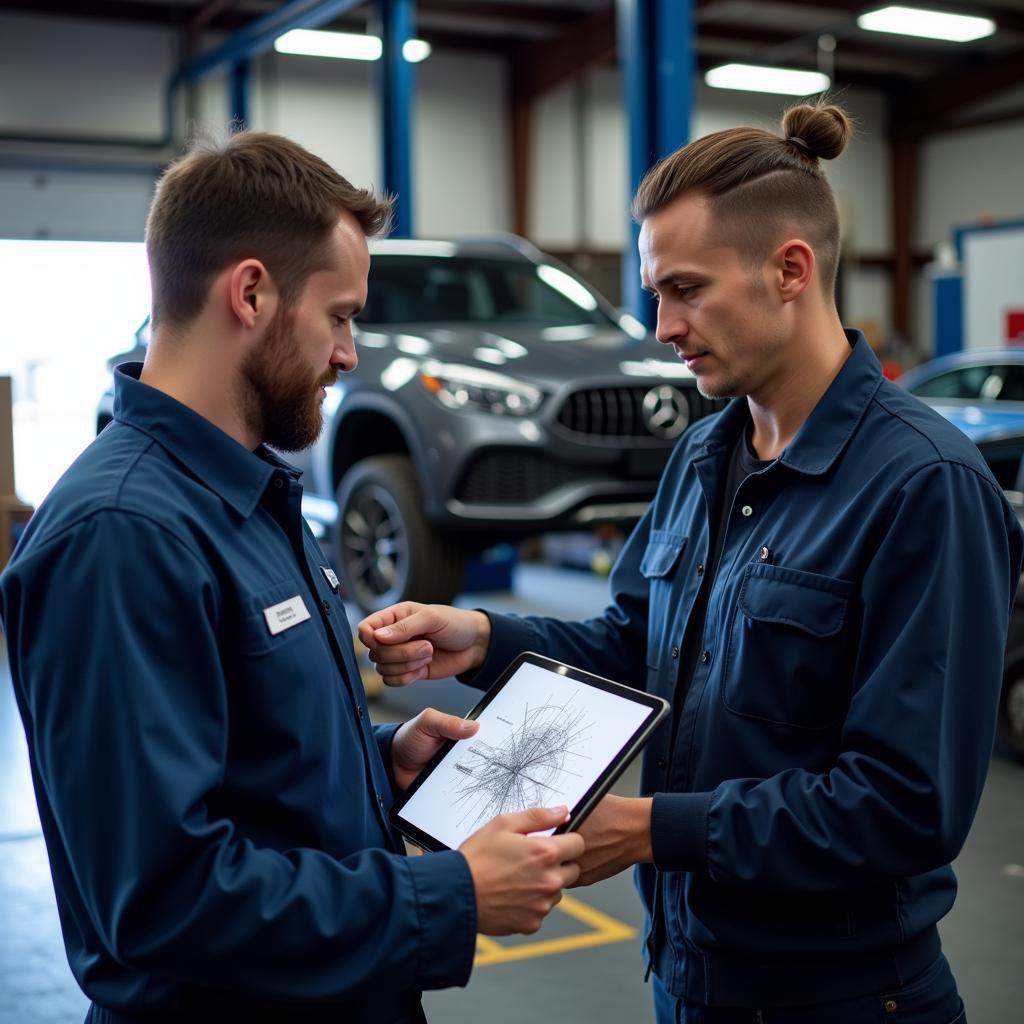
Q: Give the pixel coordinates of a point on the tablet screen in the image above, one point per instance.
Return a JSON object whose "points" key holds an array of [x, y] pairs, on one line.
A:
{"points": [[545, 738]]}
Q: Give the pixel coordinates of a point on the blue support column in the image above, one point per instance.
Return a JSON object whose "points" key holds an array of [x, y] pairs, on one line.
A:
{"points": [[396, 98], [656, 56], [238, 115]]}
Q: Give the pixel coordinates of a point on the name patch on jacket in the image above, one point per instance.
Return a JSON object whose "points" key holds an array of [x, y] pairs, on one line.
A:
{"points": [[285, 614]]}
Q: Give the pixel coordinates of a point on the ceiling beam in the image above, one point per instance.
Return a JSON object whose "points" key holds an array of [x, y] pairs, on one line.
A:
{"points": [[931, 103], [1004, 17], [545, 15], [117, 10], [540, 67], [855, 47]]}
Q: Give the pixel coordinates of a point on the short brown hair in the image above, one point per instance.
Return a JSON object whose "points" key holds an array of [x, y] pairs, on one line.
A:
{"points": [[761, 186], [257, 196]]}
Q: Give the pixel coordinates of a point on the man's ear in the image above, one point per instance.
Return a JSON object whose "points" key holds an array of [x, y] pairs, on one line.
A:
{"points": [[252, 294], [793, 267]]}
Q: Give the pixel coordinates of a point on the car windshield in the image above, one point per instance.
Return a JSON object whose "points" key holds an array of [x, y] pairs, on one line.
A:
{"points": [[457, 289], [988, 381]]}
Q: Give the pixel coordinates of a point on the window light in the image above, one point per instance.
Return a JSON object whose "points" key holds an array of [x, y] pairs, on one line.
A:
{"points": [[755, 78], [915, 21]]}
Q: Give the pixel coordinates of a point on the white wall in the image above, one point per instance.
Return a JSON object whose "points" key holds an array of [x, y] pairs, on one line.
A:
{"points": [[67, 75], [966, 177]]}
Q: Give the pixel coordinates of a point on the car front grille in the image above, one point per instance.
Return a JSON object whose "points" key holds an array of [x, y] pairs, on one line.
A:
{"points": [[616, 413], [517, 476]]}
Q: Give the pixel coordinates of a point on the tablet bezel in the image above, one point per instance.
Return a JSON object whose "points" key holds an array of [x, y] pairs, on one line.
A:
{"points": [[658, 709]]}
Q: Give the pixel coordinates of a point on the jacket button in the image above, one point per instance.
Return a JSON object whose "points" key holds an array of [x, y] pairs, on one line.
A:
{"points": [[675, 652], [705, 656], [700, 569], [326, 605], [278, 482], [765, 554], [359, 711], [380, 800], [747, 510]]}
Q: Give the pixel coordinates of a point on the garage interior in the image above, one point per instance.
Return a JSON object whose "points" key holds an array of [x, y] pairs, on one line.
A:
{"points": [[526, 118]]}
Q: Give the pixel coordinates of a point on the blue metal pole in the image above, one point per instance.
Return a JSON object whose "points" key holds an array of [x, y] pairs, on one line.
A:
{"points": [[258, 36], [656, 56], [396, 100], [239, 98]]}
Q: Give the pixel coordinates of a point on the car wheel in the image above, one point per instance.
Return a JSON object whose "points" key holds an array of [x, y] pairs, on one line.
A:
{"points": [[1011, 709], [387, 551]]}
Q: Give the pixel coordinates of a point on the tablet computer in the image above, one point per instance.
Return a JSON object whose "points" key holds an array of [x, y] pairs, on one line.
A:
{"points": [[549, 734]]}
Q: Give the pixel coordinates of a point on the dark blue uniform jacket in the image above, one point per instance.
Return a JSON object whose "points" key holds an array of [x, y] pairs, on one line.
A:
{"points": [[831, 749], [212, 794]]}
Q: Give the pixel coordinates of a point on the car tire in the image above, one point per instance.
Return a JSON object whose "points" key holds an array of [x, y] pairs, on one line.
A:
{"points": [[386, 550], [1011, 708]]}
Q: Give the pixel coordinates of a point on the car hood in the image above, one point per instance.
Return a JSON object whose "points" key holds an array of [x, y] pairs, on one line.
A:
{"points": [[980, 421], [538, 355]]}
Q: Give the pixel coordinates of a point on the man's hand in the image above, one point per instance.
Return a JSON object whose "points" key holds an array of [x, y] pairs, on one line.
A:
{"points": [[411, 641], [421, 738], [618, 835], [518, 877]]}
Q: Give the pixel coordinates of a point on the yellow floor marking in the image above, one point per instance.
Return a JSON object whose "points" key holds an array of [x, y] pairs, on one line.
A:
{"points": [[605, 929], [486, 945]]}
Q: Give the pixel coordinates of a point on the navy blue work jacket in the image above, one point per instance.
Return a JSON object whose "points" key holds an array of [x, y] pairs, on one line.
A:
{"points": [[212, 793], [832, 746]]}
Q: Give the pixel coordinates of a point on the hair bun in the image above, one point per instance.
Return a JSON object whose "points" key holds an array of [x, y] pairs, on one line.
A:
{"points": [[822, 129]]}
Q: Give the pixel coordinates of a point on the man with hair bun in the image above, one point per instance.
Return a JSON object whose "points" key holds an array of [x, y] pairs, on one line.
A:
{"points": [[821, 587]]}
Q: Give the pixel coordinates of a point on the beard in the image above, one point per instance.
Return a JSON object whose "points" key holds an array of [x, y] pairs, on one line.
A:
{"points": [[280, 399]]}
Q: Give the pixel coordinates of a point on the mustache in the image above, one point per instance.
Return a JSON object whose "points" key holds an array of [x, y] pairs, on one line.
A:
{"points": [[329, 381]]}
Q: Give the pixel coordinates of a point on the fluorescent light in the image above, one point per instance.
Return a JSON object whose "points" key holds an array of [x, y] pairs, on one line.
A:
{"points": [[754, 78], [913, 21], [308, 42], [415, 50], [346, 45]]}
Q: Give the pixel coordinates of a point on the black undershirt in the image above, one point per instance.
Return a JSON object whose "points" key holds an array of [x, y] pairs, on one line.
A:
{"points": [[742, 463]]}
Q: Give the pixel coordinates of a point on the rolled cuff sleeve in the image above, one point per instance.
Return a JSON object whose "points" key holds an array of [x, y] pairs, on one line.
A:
{"points": [[446, 910], [679, 831]]}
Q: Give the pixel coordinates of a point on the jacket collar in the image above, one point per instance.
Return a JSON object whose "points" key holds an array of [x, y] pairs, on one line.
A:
{"points": [[230, 470], [831, 422]]}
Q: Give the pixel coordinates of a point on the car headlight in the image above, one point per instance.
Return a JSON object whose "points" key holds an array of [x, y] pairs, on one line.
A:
{"points": [[474, 390]]}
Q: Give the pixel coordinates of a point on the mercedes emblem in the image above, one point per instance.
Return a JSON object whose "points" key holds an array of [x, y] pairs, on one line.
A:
{"points": [[666, 411]]}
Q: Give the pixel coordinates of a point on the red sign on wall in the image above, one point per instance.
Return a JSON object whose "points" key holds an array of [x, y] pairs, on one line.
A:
{"points": [[1015, 327]]}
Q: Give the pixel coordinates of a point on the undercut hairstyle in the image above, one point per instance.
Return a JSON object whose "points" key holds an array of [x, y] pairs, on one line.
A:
{"points": [[253, 196], [761, 188]]}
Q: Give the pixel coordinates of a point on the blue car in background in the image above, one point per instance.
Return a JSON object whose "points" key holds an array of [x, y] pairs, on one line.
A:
{"points": [[980, 391]]}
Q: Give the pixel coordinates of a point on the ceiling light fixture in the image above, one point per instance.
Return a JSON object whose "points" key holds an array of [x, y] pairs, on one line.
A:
{"points": [[757, 78], [345, 45], [915, 21]]}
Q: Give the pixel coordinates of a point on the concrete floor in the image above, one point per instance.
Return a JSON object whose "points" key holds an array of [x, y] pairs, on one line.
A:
{"points": [[584, 965]]}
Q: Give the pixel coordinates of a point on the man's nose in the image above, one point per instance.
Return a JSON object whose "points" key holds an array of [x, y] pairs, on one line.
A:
{"points": [[669, 327], [345, 356]]}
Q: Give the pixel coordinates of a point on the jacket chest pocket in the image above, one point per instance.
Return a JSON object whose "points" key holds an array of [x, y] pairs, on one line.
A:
{"points": [[788, 657], [661, 558], [281, 673]]}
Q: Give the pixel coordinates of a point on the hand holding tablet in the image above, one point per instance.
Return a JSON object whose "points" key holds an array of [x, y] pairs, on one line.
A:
{"points": [[549, 735]]}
